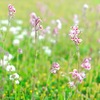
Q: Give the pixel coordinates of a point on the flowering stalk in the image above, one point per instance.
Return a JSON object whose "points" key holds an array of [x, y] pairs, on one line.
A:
{"points": [[36, 26], [74, 35], [78, 75], [12, 11]]}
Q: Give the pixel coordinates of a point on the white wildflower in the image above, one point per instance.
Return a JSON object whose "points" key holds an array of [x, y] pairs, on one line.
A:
{"points": [[10, 68]]}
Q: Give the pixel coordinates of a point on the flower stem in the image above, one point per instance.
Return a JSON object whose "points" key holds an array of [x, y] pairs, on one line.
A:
{"points": [[78, 56]]}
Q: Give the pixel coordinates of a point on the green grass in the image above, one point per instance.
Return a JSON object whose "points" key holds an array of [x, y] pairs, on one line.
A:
{"points": [[36, 82]]}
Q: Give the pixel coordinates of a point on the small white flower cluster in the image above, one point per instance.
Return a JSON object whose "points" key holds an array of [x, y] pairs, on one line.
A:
{"points": [[58, 23], [6, 58], [9, 68], [15, 77], [47, 50], [19, 37]]}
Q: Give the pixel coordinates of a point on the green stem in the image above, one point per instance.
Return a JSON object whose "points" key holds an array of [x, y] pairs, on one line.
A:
{"points": [[78, 56]]}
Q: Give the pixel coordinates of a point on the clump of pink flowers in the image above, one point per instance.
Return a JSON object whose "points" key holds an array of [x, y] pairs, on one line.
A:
{"points": [[35, 22], [74, 35], [79, 76], [55, 67], [11, 10], [86, 64]]}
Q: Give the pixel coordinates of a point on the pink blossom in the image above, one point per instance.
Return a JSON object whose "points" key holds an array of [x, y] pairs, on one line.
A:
{"points": [[74, 73], [11, 10], [35, 21], [74, 32], [76, 40], [86, 64], [55, 67], [81, 76], [78, 76], [55, 31]]}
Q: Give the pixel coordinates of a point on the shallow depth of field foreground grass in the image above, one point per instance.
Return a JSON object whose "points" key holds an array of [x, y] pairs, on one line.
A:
{"points": [[27, 61]]}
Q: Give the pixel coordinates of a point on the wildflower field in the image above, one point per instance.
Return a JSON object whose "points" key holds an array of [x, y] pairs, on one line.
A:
{"points": [[50, 50]]}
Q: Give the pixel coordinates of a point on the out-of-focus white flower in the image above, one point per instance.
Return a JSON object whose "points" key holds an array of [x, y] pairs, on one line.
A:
{"points": [[20, 37], [13, 30], [8, 57], [14, 76], [3, 28], [33, 34], [5, 22], [53, 41], [17, 81], [10, 68], [20, 51], [85, 6], [16, 42], [24, 32], [18, 28], [72, 84], [59, 24], [3, 62], [19, 22], [47, 50], [41, 37]]}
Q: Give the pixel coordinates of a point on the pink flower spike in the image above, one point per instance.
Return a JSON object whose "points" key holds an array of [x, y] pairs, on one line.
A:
{"points": [[86, 64], [74, 32], [74, 73], [75, 27], [35, 22], [33, 15], [55, 67], [11, 10]]}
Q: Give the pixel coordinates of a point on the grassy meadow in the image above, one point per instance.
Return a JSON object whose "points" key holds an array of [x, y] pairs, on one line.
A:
{"points": [[33, 60]]}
